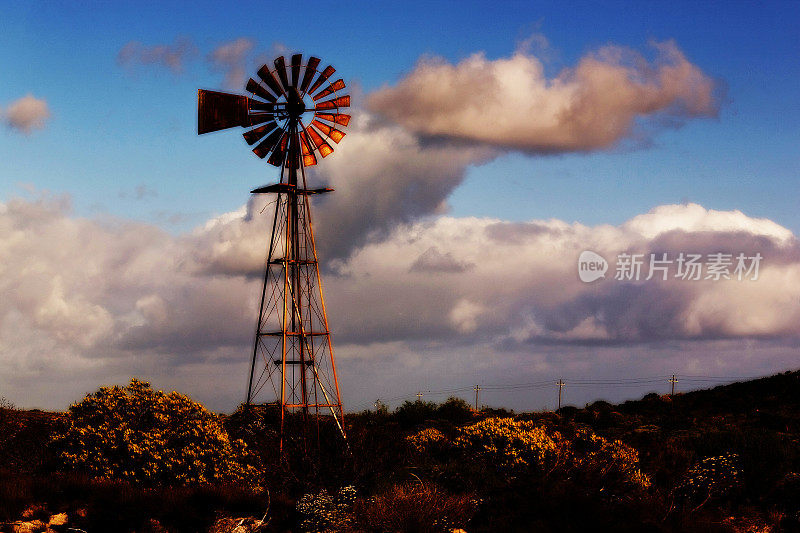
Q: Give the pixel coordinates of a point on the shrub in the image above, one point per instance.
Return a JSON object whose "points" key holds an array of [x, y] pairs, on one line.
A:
{"points": [[323, 512], [455, 410], [415, 507], [606, 465], [497, 451], [137, 434], [511, 446], [414, 413], [426, 441], [710, 478]]}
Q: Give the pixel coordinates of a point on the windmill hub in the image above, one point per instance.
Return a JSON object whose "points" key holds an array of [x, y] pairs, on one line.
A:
{"points": [[295, 106]]}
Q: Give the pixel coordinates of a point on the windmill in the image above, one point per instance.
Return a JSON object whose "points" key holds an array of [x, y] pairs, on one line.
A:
{"points": [[290, 115]]}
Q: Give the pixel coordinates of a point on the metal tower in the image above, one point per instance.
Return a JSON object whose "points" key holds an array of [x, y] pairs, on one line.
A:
{"points": [[292, 364]]}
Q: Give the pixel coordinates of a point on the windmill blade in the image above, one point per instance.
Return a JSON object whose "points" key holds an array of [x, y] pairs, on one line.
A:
{"points": [[332, 133], [338, 85], [268, 144], [218, 111], [336, 118], [327, 73], [253, 136], [254, 87], [254, 119], [280, 66], [342, 101], [256, 105], [296, 62], [279, 152], [311, 70], [309, 159], [324, 148], [265, 74]]}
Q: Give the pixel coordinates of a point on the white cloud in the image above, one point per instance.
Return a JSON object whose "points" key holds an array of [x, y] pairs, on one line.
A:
{"points": [[27, 114], [109, 299], [230, 59], [171, 56], [510, 102]]}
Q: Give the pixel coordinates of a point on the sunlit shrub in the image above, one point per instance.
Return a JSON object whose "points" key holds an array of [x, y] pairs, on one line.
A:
{"points": [[501, 450], [322, 511], [138, 434], [426, 441], [606, 464], [511, 446]]}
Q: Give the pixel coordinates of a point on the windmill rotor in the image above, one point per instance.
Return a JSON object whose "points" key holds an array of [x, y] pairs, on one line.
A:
{"points": [[292, 112]]}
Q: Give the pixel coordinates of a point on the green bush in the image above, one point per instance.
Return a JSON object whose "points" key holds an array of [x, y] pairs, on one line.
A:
{"points": [[137, 434]]}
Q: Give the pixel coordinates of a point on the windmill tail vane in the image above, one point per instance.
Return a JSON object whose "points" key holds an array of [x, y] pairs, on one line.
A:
{"points": [[290, 115]]}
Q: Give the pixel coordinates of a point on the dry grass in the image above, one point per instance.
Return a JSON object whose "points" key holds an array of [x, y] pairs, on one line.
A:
{"points": [[415, 508]]}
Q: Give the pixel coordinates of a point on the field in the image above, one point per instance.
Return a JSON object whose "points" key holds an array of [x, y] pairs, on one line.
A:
{"points": [[134, 459]]}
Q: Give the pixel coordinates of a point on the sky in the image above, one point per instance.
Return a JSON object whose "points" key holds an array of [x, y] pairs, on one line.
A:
{"points": [[490, 145]]}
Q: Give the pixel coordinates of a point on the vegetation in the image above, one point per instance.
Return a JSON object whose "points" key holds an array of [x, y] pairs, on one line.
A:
{"points": [[140, 435], [136, 459]]}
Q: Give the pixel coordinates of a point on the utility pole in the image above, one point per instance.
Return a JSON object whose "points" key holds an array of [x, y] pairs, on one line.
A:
{"points": [[477, 392], [673, 380], [560, 384], [419, 396]]}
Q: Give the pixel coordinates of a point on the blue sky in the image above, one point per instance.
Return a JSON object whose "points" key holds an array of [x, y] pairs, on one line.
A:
{"points": [[105, 289], [114, 129]]}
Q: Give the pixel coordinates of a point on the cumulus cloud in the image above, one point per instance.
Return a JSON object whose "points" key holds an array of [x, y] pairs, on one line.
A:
{"points": [[523, 286], [511, 103], [383, 176], [230, 59], [171, 56], [26, 114], [120, 298]]}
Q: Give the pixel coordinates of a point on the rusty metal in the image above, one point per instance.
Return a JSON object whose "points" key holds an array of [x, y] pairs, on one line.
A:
{"points": [[218, 111], [292, 363]]}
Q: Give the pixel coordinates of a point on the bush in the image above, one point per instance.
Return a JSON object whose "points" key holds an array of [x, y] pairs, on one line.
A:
{"points": [[415, 507], [605, 465], [497, 451], [137, 434], [455, 410], [510, 446], [414, 413], [426, 441], [323, 512], [710, 478]]}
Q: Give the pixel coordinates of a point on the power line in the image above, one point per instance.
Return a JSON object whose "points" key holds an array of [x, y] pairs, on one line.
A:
{"points": [[633, 382]]}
